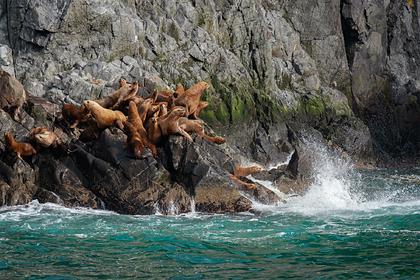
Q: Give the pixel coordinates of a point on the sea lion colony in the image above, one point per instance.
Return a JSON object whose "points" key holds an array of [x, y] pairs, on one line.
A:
{"points": [[147, 120]]}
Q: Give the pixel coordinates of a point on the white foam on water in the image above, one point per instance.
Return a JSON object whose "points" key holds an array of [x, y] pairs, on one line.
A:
{"points": [[34, 208], [336, 187]]}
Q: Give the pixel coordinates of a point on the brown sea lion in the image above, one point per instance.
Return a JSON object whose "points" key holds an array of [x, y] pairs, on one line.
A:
{"points": [[126, 95], [135, 120], [197, 126], [201, 106], [153, 130], [192, 97], [44, 137], [20, 148], [249, 186], [163, 110], [163, 96], [74, 115], [137, 99], [109, 101], [180, 90], [169, 125], [145, 107], [241, 171], [105, 117], [134, 140]]}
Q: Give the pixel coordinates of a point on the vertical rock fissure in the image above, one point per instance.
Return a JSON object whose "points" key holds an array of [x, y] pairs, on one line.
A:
{"points": [[350, 34]]}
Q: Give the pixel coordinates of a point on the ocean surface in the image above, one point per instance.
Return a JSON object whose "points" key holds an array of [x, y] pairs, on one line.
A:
{"points": [[360, 225]]}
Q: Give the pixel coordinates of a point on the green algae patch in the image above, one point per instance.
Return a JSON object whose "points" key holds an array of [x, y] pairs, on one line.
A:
{"points": [[314, 106]]}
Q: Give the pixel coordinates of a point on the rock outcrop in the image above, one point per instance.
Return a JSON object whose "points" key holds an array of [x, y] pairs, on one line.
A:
{"points": [[276, 68]]}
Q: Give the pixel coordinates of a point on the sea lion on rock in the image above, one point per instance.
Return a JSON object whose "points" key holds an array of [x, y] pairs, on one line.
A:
{"points": [[201, 106], [163, 110], [192, 98], [74, 115], [163, 96], [105, 117], [153, 130], [240, 171], [134, 140], [109, 101], [44, 137], [135, 120], [169, 125], [197, 126], [20, 148], [180, 90], [126, 95], [144, 108], [249, 186]]}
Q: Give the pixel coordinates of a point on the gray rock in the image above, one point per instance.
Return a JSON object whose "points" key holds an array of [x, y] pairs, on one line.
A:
{"points": [[6, 60]]}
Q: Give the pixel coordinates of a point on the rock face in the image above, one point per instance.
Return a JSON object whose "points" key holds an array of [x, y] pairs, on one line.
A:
{"points": [[384, 56], [275, 70]]}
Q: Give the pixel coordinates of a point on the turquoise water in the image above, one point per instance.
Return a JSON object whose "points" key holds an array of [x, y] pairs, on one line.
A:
{"points": [[366, 226]]}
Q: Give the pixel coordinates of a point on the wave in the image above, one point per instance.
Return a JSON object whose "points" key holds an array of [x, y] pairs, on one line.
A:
{"points": [[338, 188]]}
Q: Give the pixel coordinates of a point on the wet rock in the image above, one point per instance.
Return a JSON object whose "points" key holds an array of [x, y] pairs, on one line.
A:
{"points": [[205, 169], [59, 182], [124, 184], [17, 183]]}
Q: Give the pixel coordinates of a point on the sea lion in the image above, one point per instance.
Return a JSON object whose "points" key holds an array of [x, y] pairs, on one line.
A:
{"points": [[135, 120], [240, 171], [74, 115], [134, 140], [197, 126], [180, 90], [249, 186], [191, 98], [201, 106], [20, 148], [137, 99], [153, 130], [126, 95], [163, 96], [169, 125], [163, 110], [105, 117], [144, 109], [44, 137], [109, 101]]}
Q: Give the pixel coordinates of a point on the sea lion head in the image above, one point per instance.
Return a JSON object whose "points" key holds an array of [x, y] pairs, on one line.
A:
{"points": [[8, 136], [179, 111], [122, 82], [202, 85], [89, 104]]}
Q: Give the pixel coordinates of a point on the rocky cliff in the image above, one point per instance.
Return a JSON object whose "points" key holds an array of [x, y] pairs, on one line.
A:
{"points": [[345, 70]]}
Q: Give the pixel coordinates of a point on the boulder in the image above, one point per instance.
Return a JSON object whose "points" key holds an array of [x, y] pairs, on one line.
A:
{"points": [[12, 94]]}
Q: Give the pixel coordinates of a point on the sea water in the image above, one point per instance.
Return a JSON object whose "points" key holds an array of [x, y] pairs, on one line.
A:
{"points": [[360, 225]]}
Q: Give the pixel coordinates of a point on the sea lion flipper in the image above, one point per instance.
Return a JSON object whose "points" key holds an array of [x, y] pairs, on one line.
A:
{"points": [[119, 124]]}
